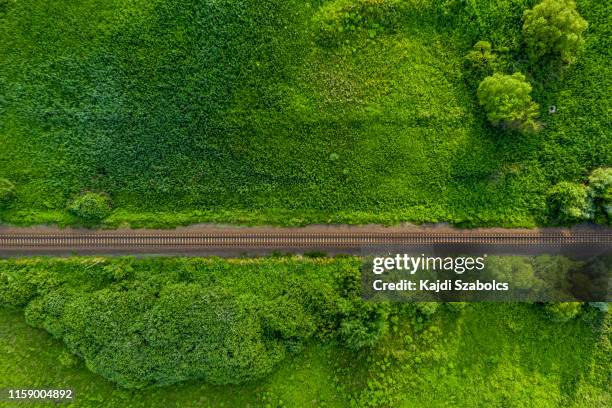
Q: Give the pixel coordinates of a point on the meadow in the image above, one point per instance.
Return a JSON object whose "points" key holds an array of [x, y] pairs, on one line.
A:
{"points": [[498, 355], [95, 325], [286, 112]]}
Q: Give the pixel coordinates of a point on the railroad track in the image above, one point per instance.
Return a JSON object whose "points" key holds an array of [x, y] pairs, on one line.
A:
{"points": [[252, 238]]}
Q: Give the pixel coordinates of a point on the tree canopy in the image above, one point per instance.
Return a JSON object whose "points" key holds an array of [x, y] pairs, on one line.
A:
{"points": [[507, 101], [553, 29]]}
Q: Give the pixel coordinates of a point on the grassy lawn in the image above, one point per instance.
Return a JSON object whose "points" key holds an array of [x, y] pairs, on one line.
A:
{"points": [[252, 112]]}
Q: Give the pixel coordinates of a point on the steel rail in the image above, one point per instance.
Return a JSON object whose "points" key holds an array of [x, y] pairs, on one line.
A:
{"points": [[70, 240]]}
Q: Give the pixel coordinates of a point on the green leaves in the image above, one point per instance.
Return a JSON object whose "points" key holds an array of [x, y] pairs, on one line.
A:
{"points": [[600, 192], [7, 192], [553, 29], [91, 207], [568, 202], [572, 202], [507, 101], [167, 321]]}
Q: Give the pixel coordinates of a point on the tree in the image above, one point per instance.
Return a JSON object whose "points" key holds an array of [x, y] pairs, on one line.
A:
{"points": [[91, 207], [516, 270], [569, 202], [600, 190], [507, 101], [481, 58], [7, 192], [553, 29]]}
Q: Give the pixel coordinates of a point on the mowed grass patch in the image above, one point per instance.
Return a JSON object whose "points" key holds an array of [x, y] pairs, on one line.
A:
{"points": [[284, 112]]}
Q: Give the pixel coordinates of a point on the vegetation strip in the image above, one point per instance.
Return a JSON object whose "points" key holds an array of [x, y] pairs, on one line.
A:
{"points": [[288, 322]]}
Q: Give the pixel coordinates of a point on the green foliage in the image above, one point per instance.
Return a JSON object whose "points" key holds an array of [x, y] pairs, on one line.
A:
{"points": [[518, 271], [563, 312], [507, 101], [161, 322], [91, 207], [603, 307], [569, 202], [553, 29], [277, 325], [67, 359], [339, 19], [364, 324], [600, 190], [427, 308], [121, 98], [413, 368], [481, 58], [4, 4], [7, 192], [19, 287], [457, 307]]}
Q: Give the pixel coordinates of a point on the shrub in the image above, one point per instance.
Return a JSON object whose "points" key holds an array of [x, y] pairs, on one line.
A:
{"points": [[137, 338], [457, 307], [554, 29], [364, 325], [285, 318], [600, 181], [563, 312], [507, 102], [518, 271], [601, 306], [481, 58], [141, 323], [427, 308], [600, 190], [569, 202], [20, 285], [91, 207], [7, 192], [67, 359]]}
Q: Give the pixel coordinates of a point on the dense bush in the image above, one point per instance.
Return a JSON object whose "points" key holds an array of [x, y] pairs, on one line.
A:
{"points": [[481, 58], [364, 324], [7, 192], [507, 101], [167, 321], [91, 207], [518, 271], [569, 202], [138, 336], [553, 29], [427, 308], [600, 191], [563, 312]]}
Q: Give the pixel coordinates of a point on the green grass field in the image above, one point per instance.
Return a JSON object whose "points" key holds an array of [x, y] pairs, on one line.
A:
{"points": [[485, 354], [494, 355], [285, 112]]}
